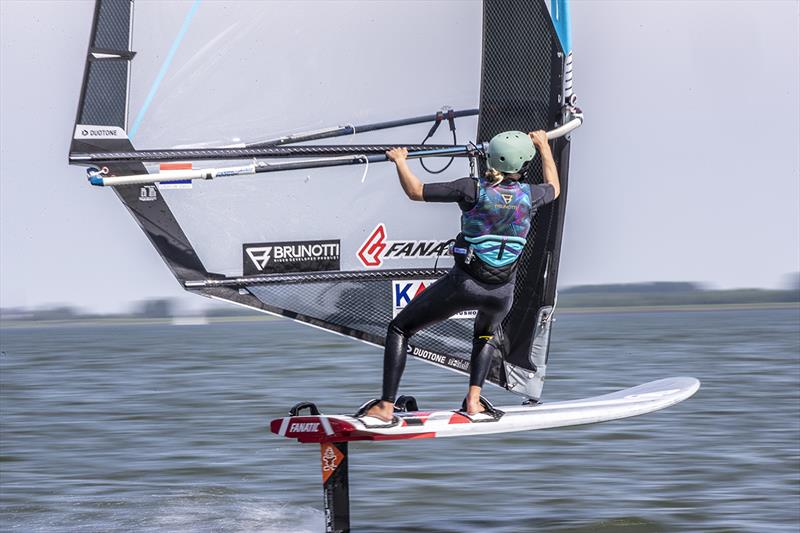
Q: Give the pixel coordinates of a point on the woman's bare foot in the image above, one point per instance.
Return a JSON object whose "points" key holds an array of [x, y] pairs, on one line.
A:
{"points": [[473, 408], [474, 405], [383, 410]]}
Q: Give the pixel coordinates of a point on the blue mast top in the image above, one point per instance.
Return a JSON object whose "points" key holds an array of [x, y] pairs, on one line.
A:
{"points": [[559, 12]]}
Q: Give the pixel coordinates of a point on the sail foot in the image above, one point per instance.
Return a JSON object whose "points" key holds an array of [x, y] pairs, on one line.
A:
{"points": [[530, 381]]}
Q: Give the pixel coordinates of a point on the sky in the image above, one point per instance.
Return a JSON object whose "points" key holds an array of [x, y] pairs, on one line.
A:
{"points": [[686, 169]]}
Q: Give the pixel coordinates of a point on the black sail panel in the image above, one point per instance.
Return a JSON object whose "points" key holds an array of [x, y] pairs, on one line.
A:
{"points": [[521, 88], [102, 123]]}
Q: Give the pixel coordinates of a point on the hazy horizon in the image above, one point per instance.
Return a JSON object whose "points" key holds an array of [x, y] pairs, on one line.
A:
{"points": [[185, 302]]}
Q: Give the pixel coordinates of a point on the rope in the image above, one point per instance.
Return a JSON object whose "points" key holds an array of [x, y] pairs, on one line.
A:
{"points": [[452, 123], [366, 166], [436, 263]]}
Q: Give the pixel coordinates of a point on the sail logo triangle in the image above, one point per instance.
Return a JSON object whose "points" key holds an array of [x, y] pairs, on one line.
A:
{"points": [[260, 256]]}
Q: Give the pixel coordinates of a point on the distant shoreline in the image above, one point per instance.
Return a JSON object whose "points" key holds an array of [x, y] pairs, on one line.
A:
{"points": [[132, 321], [680, 307], [256, 317]]}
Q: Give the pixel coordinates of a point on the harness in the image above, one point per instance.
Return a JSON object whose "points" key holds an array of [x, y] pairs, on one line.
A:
{"points": [[493, 232]]}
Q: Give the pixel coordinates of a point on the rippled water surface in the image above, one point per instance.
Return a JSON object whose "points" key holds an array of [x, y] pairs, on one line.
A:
{"points": [[164, 428]]}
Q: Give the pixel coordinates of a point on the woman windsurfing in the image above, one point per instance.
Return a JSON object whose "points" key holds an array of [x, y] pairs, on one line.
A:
{"points": [[497, 211]]}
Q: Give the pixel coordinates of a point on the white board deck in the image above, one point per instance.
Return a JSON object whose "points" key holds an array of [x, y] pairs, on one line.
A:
{"points": [[634, 401]]}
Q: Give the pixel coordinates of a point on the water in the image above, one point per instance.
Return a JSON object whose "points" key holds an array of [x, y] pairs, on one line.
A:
{"points": [[164, 428]]}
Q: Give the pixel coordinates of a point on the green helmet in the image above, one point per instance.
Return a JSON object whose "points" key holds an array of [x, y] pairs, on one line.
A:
{"points": [[509, 150]]}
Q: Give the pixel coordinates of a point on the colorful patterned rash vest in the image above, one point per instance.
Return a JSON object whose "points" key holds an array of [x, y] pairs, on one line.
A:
{"points": [[496, 227]]}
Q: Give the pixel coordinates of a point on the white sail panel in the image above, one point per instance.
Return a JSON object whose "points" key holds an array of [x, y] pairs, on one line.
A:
{"points": [[223, 73], [249, 70]]}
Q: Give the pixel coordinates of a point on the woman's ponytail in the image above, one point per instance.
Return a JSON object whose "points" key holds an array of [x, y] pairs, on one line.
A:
{"points": [[494, 176]]}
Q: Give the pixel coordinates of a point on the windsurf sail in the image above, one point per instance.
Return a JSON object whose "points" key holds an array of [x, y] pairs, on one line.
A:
{"points": [[206, 119]]}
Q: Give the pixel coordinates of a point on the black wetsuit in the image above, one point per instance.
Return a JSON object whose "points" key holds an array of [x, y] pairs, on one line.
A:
{"points": [[454, 292]]}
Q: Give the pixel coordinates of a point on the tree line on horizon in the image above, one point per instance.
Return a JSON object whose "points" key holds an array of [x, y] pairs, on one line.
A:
{"points": [[581, 296]]}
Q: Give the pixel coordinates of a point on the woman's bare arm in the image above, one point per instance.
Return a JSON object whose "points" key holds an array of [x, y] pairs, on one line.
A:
{"points": [[549, 169], [410, 183]]}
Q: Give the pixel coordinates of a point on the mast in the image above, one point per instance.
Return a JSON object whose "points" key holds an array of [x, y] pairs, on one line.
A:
{"points": [[535, 96]]}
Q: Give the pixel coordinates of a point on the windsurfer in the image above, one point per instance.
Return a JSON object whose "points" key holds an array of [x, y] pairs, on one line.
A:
{"points": [[496, 215]]}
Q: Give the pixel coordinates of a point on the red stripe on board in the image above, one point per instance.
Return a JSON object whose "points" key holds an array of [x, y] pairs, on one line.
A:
{"points": [[458, 418], [340, 426]]}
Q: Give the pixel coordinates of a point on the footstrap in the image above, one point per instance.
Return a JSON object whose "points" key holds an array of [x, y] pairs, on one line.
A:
{"points": [[490, 409]]}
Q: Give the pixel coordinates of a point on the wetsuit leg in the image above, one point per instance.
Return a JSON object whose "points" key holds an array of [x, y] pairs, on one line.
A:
{"points": [[438, 302], [484, 349], [487, 339], [394, 361]]}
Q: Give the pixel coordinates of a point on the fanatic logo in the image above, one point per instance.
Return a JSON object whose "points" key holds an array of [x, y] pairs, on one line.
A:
{"points": [[259, 256], [371, 251], [507, 198], [304, 427], [377, 248]]}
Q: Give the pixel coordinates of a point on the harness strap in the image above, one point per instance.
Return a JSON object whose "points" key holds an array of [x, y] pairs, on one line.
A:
{"points": [[451, 121], [501, 250]]}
